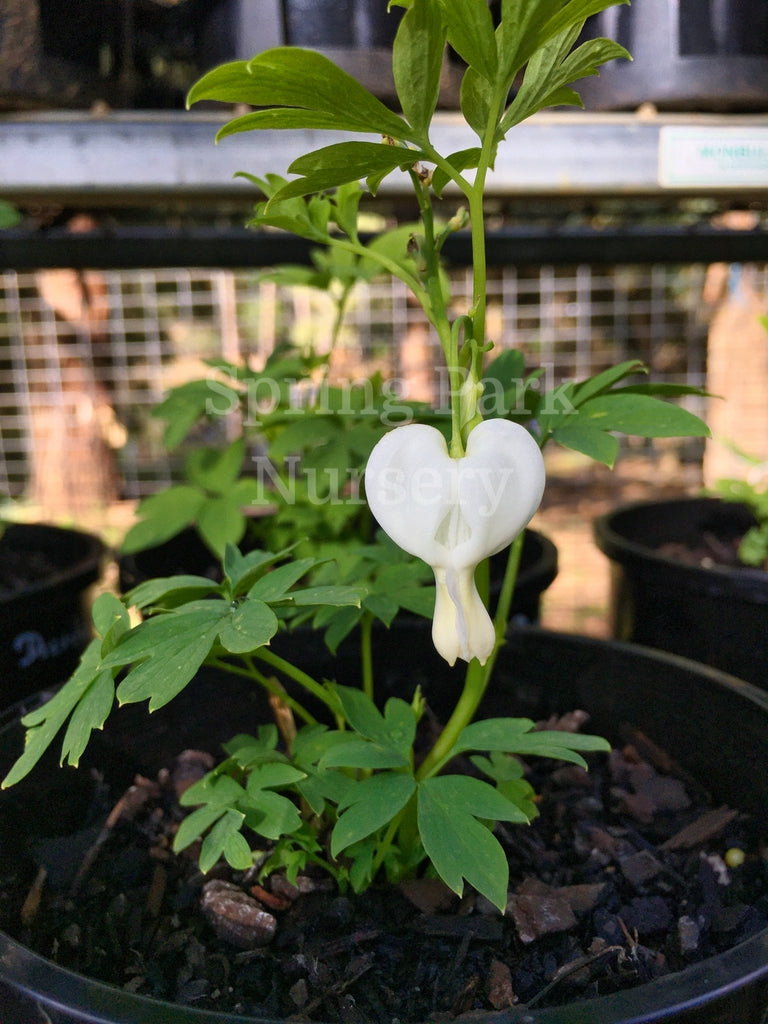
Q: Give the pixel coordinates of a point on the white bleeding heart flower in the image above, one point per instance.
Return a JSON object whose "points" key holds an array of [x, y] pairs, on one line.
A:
{"points": [[453, 513]]}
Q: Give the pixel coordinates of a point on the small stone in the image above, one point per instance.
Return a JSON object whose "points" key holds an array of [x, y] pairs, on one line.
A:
{"points": [[299, 993], [640, 867], [688, 934], [189, 767], [636, 805], [582, 898], [536, 915], [646, 915], [500, 992], [235, 916], [428, 894]]}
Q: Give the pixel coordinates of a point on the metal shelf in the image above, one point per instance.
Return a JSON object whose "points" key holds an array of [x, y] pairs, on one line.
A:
{"points": [[127, 248], [133, 159]]}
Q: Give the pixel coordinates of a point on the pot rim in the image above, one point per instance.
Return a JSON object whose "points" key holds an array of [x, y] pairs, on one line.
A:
{"points": [[83, 569], [622, 549], [693, 987]]}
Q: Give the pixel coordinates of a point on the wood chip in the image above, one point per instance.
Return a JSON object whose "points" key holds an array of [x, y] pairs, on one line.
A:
{"points": [[704, 828]]}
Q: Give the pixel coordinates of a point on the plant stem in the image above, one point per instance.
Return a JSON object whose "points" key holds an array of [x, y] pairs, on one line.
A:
{"points": [[366, 653], [298, 676]]}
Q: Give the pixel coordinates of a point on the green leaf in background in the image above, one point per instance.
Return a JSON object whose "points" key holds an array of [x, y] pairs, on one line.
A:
{"points": [[417, 60], [458, 844], [9, 215], [184, 405], [163, 515], [333, 595], [221, 521], [216, 469]]}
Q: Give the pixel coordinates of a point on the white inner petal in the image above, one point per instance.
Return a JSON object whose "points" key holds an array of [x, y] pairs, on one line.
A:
{"points": [[453, 529]]}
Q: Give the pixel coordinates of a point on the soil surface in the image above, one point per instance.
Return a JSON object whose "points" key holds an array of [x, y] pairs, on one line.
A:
{"points": [[629, 873]]}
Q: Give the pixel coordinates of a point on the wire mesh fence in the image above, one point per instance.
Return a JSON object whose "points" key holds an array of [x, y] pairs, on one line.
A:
{"points": [[84, 356]]}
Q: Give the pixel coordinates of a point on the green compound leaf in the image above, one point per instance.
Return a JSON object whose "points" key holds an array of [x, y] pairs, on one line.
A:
{"points": [[317, 93], [250, 625], [90, 713], [195, 824], [459, 845], [44, 723], [184, 405], [170, 648], [170, 590], [276, 584], [471, 34], [628, 412], [343, 163], [371, 804], [395, 728], [518, 736], [417, 59], [590, 441], [220, 838]]}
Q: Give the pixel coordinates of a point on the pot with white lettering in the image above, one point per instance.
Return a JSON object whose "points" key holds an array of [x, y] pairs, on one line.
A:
{"points": [[45, 574]]}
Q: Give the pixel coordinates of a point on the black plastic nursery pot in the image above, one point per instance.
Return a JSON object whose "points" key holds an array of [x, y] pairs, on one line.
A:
{"points": [[716, 615], [45, 573], [716, 727], [186, 553], [687, 55]]}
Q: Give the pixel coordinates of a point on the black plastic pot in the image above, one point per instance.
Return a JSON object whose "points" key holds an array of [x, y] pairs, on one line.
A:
{"points": [[708, 55], [715, 615], [716, 727], [186, 553], [44, 623]]}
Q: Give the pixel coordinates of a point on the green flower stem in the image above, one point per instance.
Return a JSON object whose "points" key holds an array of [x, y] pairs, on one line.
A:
{"points": [[438, 313], [270, 685], [366, 653], [501, 618], [478, 676]]}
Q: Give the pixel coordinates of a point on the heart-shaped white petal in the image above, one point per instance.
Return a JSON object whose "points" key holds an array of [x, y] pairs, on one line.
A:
{"points": [[453, 513]]}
